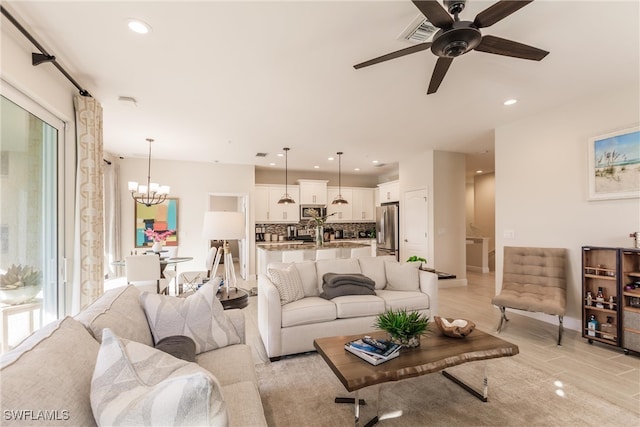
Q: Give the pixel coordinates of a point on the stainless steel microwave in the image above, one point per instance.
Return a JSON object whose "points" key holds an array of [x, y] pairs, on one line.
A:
{"points": [[306, 211]]}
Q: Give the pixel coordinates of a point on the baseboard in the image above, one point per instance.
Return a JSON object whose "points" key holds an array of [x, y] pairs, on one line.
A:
{"points": [[478, 269]]}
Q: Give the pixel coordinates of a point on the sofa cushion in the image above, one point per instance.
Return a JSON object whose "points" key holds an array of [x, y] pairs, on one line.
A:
{"points": [[200, 316], [50, 370], [121, 311], [373, 267], [307, 271], [134, 384], [402, 277], [288, 282], [358, 306], [410, 300], [229, 364], [308, 310], [340, 266]]}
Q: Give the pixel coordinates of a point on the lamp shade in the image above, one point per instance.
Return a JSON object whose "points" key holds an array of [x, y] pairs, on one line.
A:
{"points": [[219, 225]]}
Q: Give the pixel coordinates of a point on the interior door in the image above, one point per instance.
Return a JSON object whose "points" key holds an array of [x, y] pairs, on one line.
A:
{"points": [[415, 225]]}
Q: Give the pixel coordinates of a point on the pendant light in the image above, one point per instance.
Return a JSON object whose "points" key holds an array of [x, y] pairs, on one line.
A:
{"points": [[339, 200], [152, 193], [286, 198]]}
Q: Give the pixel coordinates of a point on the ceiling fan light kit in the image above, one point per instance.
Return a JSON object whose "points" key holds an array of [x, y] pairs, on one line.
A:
{"points": [[152, 193], [455, 37], [286, 199]]}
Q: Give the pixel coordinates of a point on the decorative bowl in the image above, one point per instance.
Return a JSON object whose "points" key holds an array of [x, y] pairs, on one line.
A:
{"points": [[458, 328]]}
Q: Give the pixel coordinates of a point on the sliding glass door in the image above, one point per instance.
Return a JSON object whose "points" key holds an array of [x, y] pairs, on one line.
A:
{"points": [[30, 283]]}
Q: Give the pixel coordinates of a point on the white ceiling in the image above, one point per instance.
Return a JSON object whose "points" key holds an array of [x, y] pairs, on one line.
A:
{"points": [[219, 81]]}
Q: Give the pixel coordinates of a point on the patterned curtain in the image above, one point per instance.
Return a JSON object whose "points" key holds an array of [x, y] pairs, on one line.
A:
{"points": [[88, 268]]}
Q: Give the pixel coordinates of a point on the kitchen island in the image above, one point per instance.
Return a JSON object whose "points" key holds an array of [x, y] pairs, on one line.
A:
{"points": [[272, 252]]}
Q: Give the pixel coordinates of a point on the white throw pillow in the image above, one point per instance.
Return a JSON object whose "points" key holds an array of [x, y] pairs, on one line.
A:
{"points": [[373, 267], [200, 316], [402, 277], [134, 384], [288, 282]]}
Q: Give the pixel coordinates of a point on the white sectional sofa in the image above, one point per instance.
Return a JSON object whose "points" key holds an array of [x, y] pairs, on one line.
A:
{"points": [[49, 379], [291, 327]]}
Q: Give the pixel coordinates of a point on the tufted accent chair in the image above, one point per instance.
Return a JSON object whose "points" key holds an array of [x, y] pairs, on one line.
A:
{"points": [[534, 279]]}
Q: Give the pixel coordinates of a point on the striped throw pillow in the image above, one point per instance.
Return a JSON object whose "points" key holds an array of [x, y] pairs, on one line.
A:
{"points": [[288, 282]]}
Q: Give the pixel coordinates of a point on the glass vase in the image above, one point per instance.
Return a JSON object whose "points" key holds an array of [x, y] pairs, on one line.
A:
{"points": [[411, 342], [319, 236]]}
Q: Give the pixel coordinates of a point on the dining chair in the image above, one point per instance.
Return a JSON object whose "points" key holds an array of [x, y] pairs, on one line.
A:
{"points": [[361, 252], [292, 256], [326, 253], [144, 272], [189, 280], [170, 272]]}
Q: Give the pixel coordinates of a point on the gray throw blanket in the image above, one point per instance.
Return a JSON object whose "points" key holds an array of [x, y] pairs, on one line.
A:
{"points": [[336, 285]]}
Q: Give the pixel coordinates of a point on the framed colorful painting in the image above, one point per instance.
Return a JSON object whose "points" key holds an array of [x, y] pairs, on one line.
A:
{"points": [[159, 219], [614, 165]]}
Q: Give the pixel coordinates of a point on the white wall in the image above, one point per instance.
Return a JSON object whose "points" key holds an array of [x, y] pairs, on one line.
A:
{"points": [[541, 185], [449, 214], [443, 175], [192, 183]]}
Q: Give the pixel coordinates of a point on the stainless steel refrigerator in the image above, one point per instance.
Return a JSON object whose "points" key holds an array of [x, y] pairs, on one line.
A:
{"points": [[387, 230]]}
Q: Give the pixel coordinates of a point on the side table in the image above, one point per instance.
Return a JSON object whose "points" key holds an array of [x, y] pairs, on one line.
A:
{"points": [[235, 298], [33, 319]]}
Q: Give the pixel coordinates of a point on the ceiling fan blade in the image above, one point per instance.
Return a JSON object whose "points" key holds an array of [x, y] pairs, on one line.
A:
{"points": [[394, 55], [498, 46], [498, 11], [434, 12], [442, 65]]}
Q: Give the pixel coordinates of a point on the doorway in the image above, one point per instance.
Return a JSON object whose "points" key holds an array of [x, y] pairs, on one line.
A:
{"points": [[234, 203]]}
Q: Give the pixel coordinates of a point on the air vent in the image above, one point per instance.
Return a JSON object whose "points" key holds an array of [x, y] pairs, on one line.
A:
{"points": [[380, 165], [261, 154], [419, 31]]}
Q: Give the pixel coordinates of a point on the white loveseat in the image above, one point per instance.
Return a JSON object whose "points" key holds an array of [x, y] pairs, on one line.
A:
{"points": [[291, 328]]}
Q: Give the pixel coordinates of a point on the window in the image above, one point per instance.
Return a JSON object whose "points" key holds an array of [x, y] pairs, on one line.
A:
{"points": [[30, 153]]}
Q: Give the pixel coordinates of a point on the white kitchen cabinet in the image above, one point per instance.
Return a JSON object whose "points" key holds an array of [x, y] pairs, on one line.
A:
{"points": [[363, 205], [261, 203], [284, 213], [343, 213], [312, 192], [267, 209], [389, 192]]}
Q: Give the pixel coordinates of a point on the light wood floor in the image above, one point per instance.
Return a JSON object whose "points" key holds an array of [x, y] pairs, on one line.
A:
{"points": [[603, 370]]}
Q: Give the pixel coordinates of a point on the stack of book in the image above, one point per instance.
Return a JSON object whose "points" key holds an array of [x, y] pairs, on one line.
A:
{"points": [[373, 351]]}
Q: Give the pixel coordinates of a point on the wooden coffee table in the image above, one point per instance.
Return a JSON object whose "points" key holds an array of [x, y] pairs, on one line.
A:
{"points": [[436, 352]]}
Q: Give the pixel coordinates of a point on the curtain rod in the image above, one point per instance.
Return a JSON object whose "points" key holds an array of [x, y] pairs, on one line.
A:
{"points": [[39, 58]]}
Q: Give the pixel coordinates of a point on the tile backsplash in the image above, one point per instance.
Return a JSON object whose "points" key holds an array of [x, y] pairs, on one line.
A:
{"points": [[350, 229]]}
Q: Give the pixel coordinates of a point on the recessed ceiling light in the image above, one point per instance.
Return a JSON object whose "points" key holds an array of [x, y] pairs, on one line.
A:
{"points": [[138, 26], [272, 164], [316, 167], [330, 158], [510, 101], [375, 162], [479, 171], [356, 169], [280, 155]]}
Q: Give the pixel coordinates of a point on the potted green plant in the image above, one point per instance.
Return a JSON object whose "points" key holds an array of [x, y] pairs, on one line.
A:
{"points": [[415, 258], [19, 284], [403, 327]]}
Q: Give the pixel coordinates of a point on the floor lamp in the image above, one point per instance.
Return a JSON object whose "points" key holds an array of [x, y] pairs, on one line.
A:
{"points": [[225, 226]]}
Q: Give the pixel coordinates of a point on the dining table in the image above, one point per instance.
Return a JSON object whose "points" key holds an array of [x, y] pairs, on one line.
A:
{"points": [[164, 262]]}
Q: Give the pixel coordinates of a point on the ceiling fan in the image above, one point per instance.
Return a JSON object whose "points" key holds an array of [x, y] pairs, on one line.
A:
{"points": [[457, 37]]}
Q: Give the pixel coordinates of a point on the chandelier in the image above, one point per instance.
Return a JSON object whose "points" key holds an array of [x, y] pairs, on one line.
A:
{"points": [[152, 193]]}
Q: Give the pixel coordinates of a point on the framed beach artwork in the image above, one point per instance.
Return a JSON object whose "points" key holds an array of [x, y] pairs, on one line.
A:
{"points": [[614, 165], [159, 218]]}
